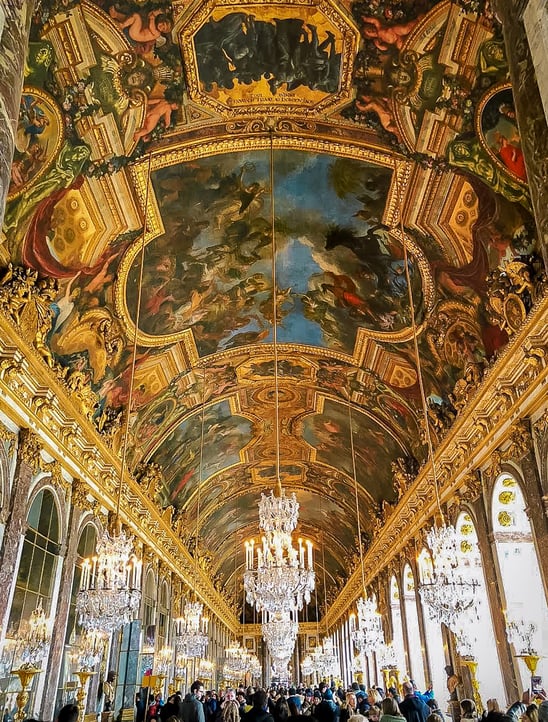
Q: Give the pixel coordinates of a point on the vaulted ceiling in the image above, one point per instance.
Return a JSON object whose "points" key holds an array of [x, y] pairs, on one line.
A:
{"points": [[166, 153]]}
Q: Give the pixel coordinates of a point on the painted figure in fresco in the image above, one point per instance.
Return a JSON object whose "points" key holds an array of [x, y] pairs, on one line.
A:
{"points": [[157, 109], [143, 31], [31, 123], [382, 107], [470, 156], [286, 51], [384, 35], [68, 166]]}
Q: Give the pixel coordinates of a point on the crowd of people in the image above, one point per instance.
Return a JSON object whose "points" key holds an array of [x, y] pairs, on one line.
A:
{"points": [[326, 703]]}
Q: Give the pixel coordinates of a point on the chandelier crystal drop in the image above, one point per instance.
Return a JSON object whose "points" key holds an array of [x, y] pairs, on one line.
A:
{"points": [[451, 588], [110, 588], [191, 630], [369, 636], [278, 577]]}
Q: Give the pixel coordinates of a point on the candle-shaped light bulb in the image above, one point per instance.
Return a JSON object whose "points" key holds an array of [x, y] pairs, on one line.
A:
{"points": [[301, 553], [309, 547]]}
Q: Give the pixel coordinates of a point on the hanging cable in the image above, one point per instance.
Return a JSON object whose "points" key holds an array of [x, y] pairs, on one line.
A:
{"points": [[275, 316]]}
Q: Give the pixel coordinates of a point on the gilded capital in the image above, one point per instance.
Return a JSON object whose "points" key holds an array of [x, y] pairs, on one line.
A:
{"points": [[521, 441], [81, 496], [29, 449]]}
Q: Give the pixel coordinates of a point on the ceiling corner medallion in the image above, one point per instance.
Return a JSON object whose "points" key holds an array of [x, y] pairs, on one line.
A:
{"points": [[295, 57]]}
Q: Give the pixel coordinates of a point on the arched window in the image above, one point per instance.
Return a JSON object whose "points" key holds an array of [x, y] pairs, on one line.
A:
{"points": [[397, 628], [477, 631], [37, 567], [433, 633], [526, 610], [415, 648], [163, 616], [149, 609]]}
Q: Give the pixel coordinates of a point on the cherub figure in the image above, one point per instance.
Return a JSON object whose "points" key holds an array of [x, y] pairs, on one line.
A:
{"points": [[157, 108], [142, 30]]}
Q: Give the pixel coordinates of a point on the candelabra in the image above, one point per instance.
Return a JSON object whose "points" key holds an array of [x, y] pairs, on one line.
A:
{"points": [[26, 675], [81, 693], [31, 645], [522, 634]]}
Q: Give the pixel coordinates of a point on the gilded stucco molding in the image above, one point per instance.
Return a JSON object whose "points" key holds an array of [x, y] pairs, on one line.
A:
{"points": [[86, 456], [473, 442], [8, 436]]}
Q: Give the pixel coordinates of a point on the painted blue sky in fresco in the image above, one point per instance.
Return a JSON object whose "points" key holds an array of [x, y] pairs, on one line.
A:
{"points": [[211, 271]]}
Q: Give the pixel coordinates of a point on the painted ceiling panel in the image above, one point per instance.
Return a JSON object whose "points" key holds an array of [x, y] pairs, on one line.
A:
{"points": [[166, 152]]}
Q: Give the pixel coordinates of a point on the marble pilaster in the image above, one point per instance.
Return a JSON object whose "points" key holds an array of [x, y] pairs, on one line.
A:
{"points": [[529, 109], [15, 17], [61, 617], [16, 523]]}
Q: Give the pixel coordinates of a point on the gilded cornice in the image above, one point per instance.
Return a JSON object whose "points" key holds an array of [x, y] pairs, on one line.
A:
{"points": [[67, 435], [512, 390], [255, 630]]}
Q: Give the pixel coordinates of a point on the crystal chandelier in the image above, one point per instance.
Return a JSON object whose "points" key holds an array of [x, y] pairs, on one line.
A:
{"points": [[280, 632], [235, 660], [33, 639], [205, 669], [450, 589], [191, 630], [282, 577], [110, 588], [307, 666], [279, 578], [387, 656], [369, 636], [255, 667], [327, 662], [163, 661]]}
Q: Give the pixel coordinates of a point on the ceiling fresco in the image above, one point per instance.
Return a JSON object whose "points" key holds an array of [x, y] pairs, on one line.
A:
{"points": [[166, 153]]}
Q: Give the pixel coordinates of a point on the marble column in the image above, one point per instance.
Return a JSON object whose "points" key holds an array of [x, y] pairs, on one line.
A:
{"points": [[28, 452], [15, 16], [491, 571], [70, 554], [529, 109]]}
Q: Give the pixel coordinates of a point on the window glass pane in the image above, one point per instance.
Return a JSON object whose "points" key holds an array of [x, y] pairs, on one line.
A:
{"points": [[46, 512], [34, 513]]}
